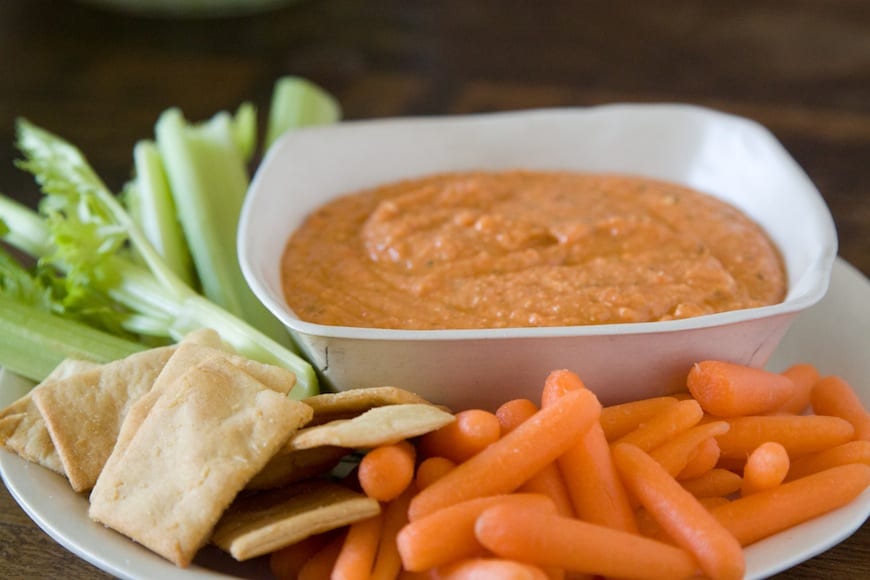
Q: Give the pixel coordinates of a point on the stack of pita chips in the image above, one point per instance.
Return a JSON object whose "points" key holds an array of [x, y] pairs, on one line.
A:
{"points": [[188, 444]]}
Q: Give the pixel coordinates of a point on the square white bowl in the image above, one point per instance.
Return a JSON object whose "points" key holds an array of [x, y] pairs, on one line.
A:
{"points": [[729, 157]]}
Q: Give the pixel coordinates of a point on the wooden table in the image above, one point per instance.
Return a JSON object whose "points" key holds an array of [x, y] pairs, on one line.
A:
{"points": [[100, 79]]}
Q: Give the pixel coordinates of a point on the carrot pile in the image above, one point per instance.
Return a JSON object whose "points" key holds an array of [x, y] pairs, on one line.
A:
{"points": [[668, 487]]}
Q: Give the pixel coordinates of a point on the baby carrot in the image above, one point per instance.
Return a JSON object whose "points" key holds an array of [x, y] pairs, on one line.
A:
{"points": [[731, 390], [768, 512], [357, 554], [617, 420], [799, 434], [661, 427], [513, 412], [702, 460], [804, 376], [482, 568], [286, 563], [447, 535], [517, 456], [388, 563], [833, 396], [765, 468], [431, 469], [470, 432], [553, 541], [674, 454], [320, 565], [548, 481], [385, 471], [596, 492], [680, 514], [715, 483], [851, 452]]}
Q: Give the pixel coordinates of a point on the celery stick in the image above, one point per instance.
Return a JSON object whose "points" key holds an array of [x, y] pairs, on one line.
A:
{"points": [[150, 203], [297, 102], [33, 342], [208, 178], [244, 127], [84, 231]]}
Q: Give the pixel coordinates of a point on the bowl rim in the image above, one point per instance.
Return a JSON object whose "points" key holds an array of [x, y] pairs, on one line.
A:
{"points": [[790, 306]]}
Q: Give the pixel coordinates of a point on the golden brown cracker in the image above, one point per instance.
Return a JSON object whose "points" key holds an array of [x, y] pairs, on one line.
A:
{"points": [[84, 412], [348, 404], [377, 426], [265, 522], [22, 428], [203, 439]]}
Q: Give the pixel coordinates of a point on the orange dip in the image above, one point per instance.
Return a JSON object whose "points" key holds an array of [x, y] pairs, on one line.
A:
{"points": [[526, 248]]}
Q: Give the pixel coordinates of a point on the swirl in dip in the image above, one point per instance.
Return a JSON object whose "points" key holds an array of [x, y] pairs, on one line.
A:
{"points": [[526, 248]]}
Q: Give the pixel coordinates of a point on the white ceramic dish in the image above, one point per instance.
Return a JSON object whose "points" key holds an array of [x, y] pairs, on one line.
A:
{"points": [[832, 335], [726, 156]]}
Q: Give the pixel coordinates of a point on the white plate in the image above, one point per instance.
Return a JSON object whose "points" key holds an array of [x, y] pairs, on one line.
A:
{"points": [[832, 335]]}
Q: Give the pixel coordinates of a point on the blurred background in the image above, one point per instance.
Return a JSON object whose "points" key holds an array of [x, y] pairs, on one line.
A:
{"points": [[100, 76]]}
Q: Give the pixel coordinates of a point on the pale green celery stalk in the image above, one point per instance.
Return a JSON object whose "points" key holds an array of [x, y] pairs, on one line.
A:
{"points": [[33, 342], [209, 179], [244, 127], [74, 192], [150, 204], [297, 102]]}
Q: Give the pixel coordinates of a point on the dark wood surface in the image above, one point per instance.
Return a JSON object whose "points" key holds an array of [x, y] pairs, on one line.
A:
{"points": [[100, 79]]}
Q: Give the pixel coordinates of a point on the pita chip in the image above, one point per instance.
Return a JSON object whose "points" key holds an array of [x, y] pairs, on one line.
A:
{"points": [[193, 350], [22, 428], [83, 412], [377, 426], [262, 523], [348, 404], [203, 439]]}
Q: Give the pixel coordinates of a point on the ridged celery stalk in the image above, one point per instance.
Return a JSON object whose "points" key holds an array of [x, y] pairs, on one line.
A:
{"points": [[297, 102], [208, 178]]}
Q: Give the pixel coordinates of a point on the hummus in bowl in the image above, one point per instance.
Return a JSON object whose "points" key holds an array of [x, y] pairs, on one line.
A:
{"points": [[633, 350]]}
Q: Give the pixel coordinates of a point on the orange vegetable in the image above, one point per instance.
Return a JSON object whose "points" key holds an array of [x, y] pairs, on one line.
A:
{"points": [[731, 390], [617, 420], [804, 376], [851, 452], [765, 468], [494, 568], [598, 498], [320, 565], [702, 460], [513, 412], [765, 513], [680, 514], [548, 481], [432, 469], [516, 457], [467, 435], [388, 563], [833, 396], [799, 434], [673, 420], [386, 471], [357, 555], [287, 562], [715, 483], [674, 454], [447, 535], [553, 541]]}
